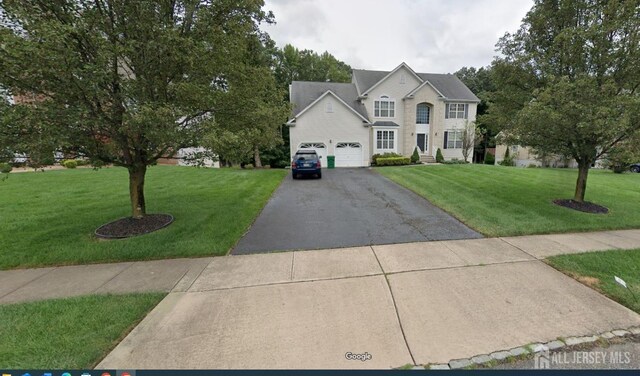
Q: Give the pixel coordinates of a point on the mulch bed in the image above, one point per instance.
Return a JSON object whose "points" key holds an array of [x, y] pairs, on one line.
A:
{"points": [[587, 207], [128, 227]]}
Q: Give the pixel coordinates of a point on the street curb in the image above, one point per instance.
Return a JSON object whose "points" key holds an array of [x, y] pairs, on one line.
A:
{"points": [[532, 348]]}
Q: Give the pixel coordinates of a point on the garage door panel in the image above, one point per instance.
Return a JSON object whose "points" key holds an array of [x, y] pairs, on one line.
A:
{"points": [[319, 147], [349, 154]]}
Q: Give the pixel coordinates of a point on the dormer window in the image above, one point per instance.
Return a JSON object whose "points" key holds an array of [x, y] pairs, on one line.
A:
{"points": [[384, 107]]}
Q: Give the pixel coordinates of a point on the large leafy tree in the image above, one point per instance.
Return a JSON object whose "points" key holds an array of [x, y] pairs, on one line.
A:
{"points": [[293, 64], [568, 80], [480, 82], [259, 112], [123, 82]]}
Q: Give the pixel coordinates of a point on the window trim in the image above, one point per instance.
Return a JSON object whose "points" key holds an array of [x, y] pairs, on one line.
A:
{"points": [[456, 141], [329, 106], [461, 110], [393, 140], [428, 113], [391, 107]]}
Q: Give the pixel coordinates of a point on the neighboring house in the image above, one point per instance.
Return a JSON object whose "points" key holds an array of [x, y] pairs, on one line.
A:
{"points": [[525, 157], [381, 112], [192, 156]]}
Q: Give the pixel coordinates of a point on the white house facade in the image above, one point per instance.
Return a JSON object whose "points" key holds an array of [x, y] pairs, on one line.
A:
{"points": [[381, 112]]}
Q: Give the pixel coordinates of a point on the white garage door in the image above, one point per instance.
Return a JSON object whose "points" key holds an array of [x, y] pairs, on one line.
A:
{"points": [[348, 154], [320, 148]]}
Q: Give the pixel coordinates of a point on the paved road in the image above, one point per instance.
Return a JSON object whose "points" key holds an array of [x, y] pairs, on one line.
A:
{"points": [[347, 208], [618, 356]]}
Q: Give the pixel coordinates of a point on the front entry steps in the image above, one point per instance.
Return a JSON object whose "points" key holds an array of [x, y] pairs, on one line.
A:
{"points": [[427, 159]]}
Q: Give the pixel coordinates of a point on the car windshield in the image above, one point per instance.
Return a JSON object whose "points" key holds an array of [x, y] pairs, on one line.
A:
{"points": [[305, 157]]}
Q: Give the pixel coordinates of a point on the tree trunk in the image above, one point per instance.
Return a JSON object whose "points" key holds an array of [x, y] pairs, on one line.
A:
{"points": [[257, 163], [581, 183], [136, 190]]}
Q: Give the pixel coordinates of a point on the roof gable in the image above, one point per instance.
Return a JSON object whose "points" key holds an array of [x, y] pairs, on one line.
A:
{"points": [[447, 85], [304, 93], [325, 94], [381, 77]]}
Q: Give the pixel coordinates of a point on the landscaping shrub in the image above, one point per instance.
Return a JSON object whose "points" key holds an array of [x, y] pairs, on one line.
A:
{"points": [[508, 160], [47, 161], [82, 162], [489, 159], [5, 168], [439, 157], [393, 161], [374, 158], [532, 165], [415, 157], [97, 163], [70, 163]]}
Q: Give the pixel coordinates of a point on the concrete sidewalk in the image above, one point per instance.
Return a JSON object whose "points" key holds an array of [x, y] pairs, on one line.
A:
{"points": [[414, 303]]}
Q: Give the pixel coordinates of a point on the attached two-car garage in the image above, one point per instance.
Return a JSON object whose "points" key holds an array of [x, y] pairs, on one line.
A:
{"points": [[347, 154]]}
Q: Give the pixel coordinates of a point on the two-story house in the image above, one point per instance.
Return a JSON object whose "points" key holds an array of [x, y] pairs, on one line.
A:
{"points": [[381, 112]]}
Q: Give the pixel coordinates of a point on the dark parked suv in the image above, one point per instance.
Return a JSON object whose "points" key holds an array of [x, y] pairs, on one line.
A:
{"points": [[306, 162]]}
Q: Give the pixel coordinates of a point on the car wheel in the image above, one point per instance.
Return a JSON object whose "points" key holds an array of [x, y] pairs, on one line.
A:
{"points": [[635, 168], [320, 175], [294, 176]]}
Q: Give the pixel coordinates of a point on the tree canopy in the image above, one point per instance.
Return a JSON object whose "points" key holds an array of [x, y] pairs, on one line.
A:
{"points": [[123, 82], [568, 80]]}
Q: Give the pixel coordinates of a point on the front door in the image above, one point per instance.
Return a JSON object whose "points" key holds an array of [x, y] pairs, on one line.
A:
{"points": [[422, 142]]}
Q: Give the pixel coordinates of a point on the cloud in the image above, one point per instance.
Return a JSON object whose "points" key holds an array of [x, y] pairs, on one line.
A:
{"points": [[429, 35]]}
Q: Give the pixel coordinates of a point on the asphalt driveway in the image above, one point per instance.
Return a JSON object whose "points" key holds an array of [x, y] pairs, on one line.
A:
{"points": [[347, 208]]}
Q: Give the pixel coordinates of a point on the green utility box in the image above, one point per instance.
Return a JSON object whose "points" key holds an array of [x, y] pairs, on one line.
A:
{"points": [[331, 161]]}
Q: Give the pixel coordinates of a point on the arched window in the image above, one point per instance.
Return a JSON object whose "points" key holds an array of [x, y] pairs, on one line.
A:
{"points": [[423, 113], [384, 107]]}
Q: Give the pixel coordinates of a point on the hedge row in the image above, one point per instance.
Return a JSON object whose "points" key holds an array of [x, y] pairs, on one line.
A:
{"points": [[393, 161]]}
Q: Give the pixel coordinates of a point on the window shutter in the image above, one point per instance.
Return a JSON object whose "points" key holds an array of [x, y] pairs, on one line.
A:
{"points": [[466, 111], [446, 136], [446, 113]]}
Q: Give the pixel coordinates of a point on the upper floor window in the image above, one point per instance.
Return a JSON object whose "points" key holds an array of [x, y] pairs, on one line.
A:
{"points": [[423, 113], [457, 111], [384, 107]]}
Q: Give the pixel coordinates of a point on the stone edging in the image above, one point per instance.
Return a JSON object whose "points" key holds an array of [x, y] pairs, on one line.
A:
{"points": [[533, 348]]}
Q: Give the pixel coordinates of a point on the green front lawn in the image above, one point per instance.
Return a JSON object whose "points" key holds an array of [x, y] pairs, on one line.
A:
{"points": [[597, 270], [74, 333], [502, 201], [49, 218]]}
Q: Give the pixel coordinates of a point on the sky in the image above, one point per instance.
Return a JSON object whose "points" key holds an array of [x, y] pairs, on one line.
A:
{"points": [[431, 36]]}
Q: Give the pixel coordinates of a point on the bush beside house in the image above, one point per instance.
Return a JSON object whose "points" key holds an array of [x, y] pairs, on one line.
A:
{"points": [[489, 159], [393, 161], [415, 157]]}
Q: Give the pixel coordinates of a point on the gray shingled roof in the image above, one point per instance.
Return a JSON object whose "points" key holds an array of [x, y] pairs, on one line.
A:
{"points": [[303, 93], [385, 124], [448, 84]]}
